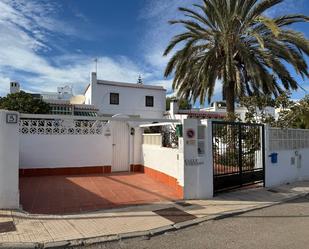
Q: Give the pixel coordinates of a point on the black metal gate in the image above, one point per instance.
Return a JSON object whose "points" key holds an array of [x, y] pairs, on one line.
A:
{"points": [[238, 155]]}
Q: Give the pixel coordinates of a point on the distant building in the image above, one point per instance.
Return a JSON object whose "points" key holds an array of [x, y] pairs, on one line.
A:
{"points": [[66, 107], [63, 93], [62, 102], [132, 99], [217, 110], [176, 113]]}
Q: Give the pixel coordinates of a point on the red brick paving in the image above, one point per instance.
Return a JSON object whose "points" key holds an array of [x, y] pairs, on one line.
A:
{"points": [[73, 194]]}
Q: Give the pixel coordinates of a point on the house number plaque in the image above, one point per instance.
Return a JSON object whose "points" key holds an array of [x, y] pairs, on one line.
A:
{"points": [[11, 118]]}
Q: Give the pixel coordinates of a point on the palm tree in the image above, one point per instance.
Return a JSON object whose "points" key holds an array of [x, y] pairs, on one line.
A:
{"points": [[233, 41]]}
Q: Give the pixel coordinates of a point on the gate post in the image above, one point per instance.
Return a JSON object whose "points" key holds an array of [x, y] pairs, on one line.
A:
{"points": [[198, 169], [207, 176], [267, 168], [9, 160]]}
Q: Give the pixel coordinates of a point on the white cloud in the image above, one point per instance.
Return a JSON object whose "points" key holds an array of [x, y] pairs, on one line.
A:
{"points": [[4, 86], [29, 25], [167, 84], [26, 25]]}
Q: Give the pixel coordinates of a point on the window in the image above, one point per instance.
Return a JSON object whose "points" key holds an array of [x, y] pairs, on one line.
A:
{"points": [[149, 101], [114, 98]]}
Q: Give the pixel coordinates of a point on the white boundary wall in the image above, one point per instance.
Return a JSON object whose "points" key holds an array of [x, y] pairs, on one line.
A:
{"points": [[44, 143], [58, 151], [165, 160], [292, 146]]}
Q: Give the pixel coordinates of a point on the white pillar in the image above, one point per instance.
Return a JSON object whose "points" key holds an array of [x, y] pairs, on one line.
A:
{"points": [[206, 171], [9, 160], [268, 166], [198, 164], [191, 167]]}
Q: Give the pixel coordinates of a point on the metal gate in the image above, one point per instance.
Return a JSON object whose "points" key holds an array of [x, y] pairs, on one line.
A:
{"points": [[238, 155]]}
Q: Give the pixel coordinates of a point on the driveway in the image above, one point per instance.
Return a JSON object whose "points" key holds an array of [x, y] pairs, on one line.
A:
{"points": [[284, 226], [73, 194]]}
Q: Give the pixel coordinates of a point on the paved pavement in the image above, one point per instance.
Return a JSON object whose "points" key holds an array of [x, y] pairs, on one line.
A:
{"points": [[144, 220], [283, 226], [80, 193]]}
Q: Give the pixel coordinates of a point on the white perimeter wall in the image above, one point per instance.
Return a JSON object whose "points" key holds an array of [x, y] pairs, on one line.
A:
{"points": [[284, 171], [292, 147], [59, 150], [55, 151], [162, 159]]}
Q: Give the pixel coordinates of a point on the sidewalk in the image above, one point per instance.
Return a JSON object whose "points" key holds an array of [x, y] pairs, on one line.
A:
{"points": [[146, 220]]}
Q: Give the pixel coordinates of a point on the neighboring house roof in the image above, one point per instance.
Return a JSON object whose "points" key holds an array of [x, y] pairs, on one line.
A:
{"points": [[86, 89], [133, 85], [201, 114], [67, 102], [124, 84], [57, 101]]}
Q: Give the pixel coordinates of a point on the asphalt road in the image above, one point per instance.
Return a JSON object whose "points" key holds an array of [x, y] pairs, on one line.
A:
{"points": [[281, 226]]}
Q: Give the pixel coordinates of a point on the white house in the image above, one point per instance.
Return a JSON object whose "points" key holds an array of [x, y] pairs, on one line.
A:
{"points": [[62, 102], [63, 93], [217, 110], [136, 100]]}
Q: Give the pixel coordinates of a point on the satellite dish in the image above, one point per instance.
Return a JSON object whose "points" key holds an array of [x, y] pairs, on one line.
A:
{"points": [[78, 100]]}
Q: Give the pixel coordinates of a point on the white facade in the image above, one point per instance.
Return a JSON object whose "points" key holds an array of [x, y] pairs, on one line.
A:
{"points": [[131, 98]]}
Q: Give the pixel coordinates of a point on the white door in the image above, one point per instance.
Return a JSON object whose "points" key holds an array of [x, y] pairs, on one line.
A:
{"points": [[120, 146]]}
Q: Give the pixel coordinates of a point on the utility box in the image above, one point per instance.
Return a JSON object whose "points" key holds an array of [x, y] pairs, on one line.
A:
{"points": [[179, 130], [274, 158]]}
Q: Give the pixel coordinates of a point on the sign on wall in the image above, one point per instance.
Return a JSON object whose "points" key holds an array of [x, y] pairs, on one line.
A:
{"points": [[193, 162], [190, 133], [11, 118]]}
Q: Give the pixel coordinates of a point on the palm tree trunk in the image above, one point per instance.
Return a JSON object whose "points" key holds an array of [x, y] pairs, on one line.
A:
{"points": [[230, 99]]}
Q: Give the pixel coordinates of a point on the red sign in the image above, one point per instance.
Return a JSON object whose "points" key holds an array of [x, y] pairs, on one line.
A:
{"points": [[190, 133]]}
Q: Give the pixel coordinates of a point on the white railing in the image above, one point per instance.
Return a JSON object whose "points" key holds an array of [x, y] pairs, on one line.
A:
{"points": [[63, 126], [288, 139], [152, 139]]}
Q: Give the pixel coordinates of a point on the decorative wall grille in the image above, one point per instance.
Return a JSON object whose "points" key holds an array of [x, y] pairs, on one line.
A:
{"points": [[288, 139], [61, 127]]}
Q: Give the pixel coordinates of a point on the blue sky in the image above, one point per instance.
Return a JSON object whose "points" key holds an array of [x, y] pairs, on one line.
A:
{"points": [[48, 43]]}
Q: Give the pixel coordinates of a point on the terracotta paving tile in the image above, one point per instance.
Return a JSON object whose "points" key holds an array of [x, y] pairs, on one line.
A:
{"points": [[72, 194]]}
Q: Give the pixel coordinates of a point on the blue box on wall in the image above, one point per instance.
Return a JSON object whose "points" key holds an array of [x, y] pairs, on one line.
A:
{"points": [[274, 158]]}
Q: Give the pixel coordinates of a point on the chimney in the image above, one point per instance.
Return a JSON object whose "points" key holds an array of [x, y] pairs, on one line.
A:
{"points": [[216, 106], [93, 78], [174, 107], [14, 87]]}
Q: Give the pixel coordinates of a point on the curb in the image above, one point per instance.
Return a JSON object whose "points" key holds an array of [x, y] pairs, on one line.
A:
{"points": [[147, 233]]}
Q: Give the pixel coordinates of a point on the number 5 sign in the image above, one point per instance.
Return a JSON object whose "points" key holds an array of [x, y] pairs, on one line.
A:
{"points": [[11, 118]]}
